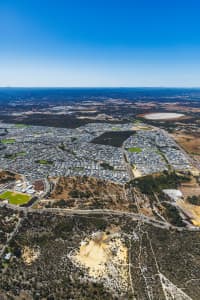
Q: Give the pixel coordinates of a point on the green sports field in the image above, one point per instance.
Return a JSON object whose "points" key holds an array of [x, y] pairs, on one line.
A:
{"points": [[44, 162], [15, 198], [8, 141], [15, 155], [135, 149], [21, 125]]}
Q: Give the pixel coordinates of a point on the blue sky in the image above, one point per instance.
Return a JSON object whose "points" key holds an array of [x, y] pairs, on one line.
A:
{"points": [[99, 43]]}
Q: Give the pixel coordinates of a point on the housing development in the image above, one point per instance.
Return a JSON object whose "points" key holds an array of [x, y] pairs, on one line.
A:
{"points": [[99, 195], [40, 153], [99, 150]]}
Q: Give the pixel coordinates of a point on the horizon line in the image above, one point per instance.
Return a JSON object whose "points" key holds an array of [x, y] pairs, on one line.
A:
{"points": [[100, 87]]}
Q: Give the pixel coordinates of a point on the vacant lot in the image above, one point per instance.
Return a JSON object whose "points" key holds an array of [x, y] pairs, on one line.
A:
{"points": [[113, 138], [6, 176], [88, 193], [15, 198]]}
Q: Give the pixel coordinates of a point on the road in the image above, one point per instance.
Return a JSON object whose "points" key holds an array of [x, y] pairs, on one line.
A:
{"points": [[11, 236], [128, 166], [103, 212], [190, 159]]}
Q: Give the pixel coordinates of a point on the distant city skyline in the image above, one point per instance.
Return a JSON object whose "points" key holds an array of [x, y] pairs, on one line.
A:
{"points": [[111, 43]]}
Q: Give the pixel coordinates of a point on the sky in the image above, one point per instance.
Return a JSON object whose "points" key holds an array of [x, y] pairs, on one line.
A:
{"points": [[100, 43]]}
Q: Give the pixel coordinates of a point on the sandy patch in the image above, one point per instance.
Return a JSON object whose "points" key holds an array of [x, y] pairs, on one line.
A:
{"points": [[98, 117], [104, 257], [136, 172], [29, 255], [192, 211], [189, 191]]}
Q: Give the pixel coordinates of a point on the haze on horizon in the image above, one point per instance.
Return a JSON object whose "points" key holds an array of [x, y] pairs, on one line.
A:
{"points": [[103, 43]]}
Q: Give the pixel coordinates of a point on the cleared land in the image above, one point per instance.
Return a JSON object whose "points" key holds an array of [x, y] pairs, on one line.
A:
{"points": [[102, 254], [87, 193], [6, 177], [113, 138], [15, 198], [191, 211], [190, 142]]}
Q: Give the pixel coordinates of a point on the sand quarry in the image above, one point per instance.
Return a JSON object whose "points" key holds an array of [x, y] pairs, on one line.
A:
{"points": [[104, 257], [190, 210]]}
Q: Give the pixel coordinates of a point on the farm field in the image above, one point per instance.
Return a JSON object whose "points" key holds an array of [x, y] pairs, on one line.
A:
{"points": [[190, 142], [15, 198]]}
